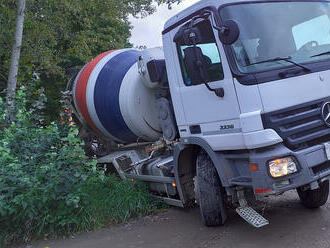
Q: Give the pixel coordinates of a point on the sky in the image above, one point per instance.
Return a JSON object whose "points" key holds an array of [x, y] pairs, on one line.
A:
{"points": [[147, 31]]}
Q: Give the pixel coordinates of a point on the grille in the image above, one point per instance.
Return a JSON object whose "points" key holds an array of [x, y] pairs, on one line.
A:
{"points": [[301, 125], [321, 168]]}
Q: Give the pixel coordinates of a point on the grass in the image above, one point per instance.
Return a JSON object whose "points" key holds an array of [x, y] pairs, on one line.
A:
{"points": [[124, 200], [106, 202]]}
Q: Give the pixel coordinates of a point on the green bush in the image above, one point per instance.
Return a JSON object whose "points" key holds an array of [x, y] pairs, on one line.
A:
{"points": [[49, 188]]}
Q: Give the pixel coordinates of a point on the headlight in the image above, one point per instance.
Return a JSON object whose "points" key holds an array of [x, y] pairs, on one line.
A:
{"points": [[282, 167]]}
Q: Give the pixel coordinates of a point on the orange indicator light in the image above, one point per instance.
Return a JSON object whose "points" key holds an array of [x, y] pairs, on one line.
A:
{"points": [[254, 167]]}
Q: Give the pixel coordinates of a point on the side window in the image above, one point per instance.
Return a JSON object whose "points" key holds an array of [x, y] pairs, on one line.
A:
{"points": [[317, 29], [210, 53]]}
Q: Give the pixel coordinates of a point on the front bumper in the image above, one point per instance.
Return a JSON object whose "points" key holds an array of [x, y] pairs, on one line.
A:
{"points": [[313, 165]]}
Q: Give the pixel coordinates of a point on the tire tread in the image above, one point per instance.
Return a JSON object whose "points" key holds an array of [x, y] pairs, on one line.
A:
{"points": [[210, 191]]}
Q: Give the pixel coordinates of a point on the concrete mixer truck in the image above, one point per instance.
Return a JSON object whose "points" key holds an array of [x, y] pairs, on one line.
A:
{"points": [[236, 101]]}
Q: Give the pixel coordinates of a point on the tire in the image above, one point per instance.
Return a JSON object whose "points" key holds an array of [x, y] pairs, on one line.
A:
{"points": [[210, 192], [314, 198]]}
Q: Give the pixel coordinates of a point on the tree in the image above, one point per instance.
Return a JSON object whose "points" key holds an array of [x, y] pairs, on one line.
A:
{"points": [[15, 55], [61, 34], [169, 2]]}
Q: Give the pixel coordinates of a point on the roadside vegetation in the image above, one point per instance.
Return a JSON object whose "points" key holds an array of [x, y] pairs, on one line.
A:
{"points": [[48, 188]]}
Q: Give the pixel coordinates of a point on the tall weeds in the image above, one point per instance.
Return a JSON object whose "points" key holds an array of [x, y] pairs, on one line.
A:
{"points": [[49, 188]]}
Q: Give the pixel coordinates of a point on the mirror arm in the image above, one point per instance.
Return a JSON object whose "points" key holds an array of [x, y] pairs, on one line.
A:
{"points": [[222, 29], [220, 92]]}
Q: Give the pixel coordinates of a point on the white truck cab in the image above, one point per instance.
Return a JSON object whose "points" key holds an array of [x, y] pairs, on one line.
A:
{"points": [[251, 90], [247, 107]]}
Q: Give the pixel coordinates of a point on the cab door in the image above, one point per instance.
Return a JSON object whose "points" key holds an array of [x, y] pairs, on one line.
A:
{"points": [[205, 112]]}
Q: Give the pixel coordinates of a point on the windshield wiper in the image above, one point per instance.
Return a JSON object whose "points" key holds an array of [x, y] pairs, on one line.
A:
{"points": [[321, 54], [287, 59]]}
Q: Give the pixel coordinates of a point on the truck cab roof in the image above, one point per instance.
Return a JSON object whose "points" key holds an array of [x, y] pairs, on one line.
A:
{"points": [[194, 8]]}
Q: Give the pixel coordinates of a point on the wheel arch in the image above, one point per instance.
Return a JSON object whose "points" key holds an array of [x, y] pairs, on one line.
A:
{"points": [[185, 156]]}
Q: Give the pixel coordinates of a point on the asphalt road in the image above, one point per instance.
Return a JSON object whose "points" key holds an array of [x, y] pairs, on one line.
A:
{"points": [[291, 225]]}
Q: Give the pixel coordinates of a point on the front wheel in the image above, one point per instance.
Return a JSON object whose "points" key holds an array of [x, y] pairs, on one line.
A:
{"points": [[314, 198], [210, 192]]}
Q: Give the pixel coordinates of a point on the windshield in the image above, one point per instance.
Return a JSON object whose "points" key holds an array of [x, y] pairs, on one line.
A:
{"points": [[296, 30]]}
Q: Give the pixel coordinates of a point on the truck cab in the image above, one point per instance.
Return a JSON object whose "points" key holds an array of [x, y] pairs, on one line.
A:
{"points": [[250, 86]]}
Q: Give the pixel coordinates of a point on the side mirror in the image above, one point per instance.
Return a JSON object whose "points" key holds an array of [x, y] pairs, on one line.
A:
{"points": [[229, 33], [188, 36], [192, 36]]}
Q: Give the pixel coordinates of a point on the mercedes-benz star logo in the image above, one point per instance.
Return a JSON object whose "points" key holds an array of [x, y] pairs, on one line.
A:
{"points": [[326, 113]]}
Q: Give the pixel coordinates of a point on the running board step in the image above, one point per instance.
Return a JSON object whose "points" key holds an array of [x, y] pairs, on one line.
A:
{"points": [[252, 217]]}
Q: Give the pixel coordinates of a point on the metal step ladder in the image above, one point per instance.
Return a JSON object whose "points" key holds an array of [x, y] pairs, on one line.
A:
{"points": [[252, 217], [248, 213]]}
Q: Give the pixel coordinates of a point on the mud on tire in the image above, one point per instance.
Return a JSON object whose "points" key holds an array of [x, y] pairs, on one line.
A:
{"points": [[314, 198], [210, 192]]}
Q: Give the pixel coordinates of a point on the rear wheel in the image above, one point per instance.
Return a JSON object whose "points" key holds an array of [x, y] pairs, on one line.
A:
{"points": [[314, 198], [210, 192]]}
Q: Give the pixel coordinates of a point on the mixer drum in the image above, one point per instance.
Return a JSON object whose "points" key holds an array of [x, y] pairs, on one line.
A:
{"points": [[110, 96]]}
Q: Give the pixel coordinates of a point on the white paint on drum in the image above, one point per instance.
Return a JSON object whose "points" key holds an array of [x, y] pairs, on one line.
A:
{"points": [[138, 106]]}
